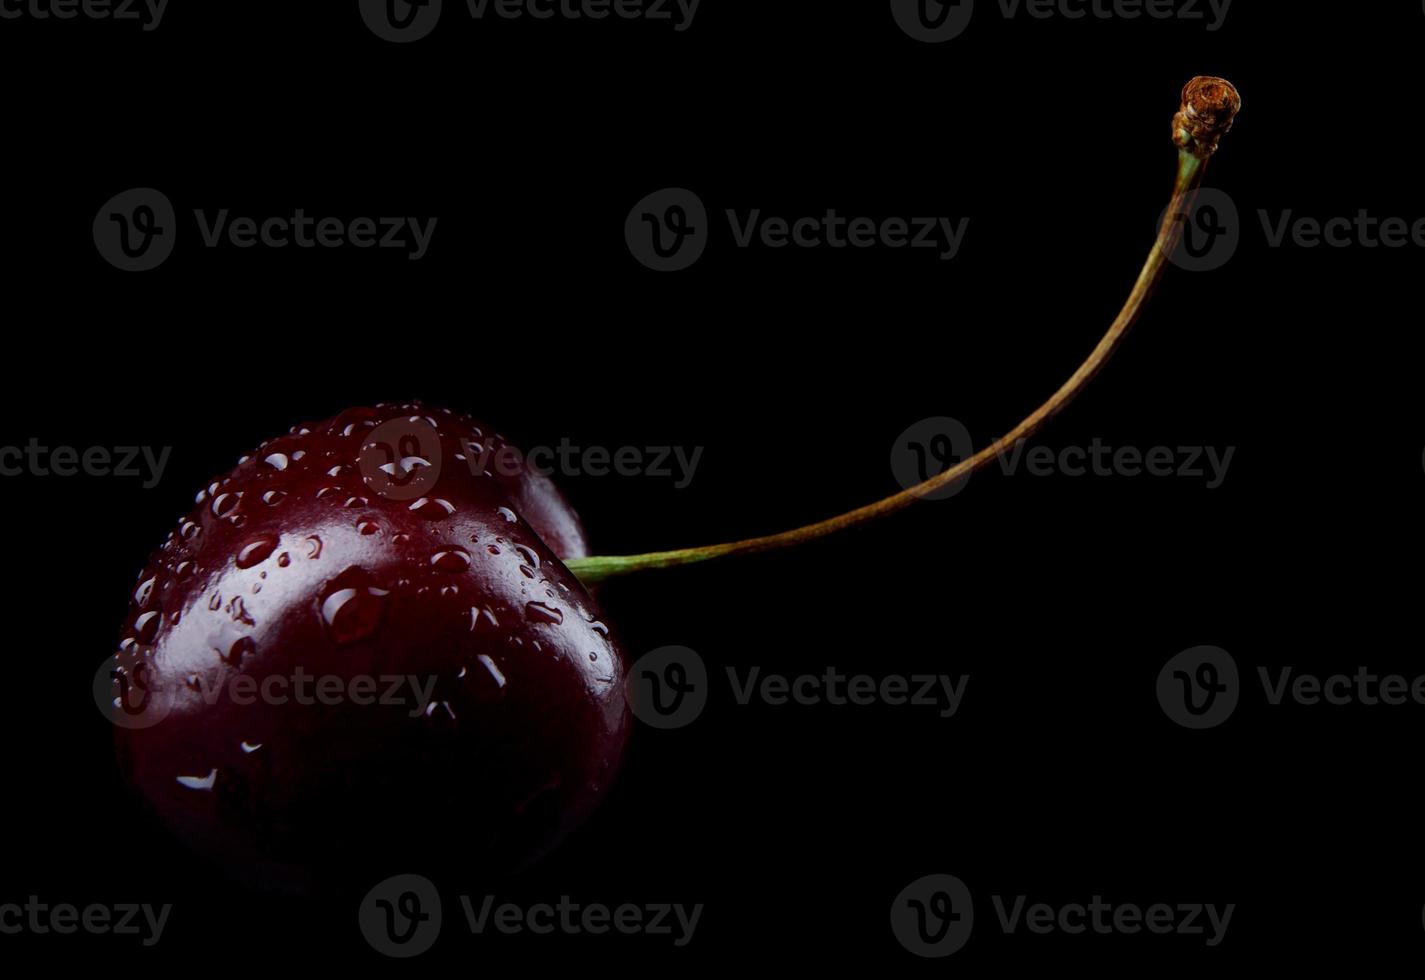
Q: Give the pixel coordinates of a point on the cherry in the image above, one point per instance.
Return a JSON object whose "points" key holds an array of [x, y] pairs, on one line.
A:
{"points": [[346, 549], [473, 711]]}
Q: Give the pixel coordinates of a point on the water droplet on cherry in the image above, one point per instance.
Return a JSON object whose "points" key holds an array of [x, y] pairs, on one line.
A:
{"points": [[200, 782], [544, 613], [454, 560], [256, 551], [351, 607], [224, 503], [146, 626], [242, 647], [432, 508]]}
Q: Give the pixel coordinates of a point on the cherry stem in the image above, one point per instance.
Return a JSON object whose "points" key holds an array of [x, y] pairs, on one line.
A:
{"points": [[1206, 114]]}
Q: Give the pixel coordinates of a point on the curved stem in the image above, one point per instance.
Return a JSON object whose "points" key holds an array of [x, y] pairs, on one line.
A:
{"points": [[1196, 131]]}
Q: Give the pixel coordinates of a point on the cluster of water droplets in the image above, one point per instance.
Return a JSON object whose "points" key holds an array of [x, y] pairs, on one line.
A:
{"points": [[353, 604]]}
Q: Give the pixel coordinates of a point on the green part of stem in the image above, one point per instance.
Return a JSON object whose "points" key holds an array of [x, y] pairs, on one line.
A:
{"points": [[1190, 171]]}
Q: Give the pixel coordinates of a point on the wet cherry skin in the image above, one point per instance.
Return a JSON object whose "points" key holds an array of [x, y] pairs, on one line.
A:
{"points": [[388, 553]]}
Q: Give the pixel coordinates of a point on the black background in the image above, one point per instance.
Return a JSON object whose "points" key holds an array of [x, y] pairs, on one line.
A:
{"points": [[1061, 778]]}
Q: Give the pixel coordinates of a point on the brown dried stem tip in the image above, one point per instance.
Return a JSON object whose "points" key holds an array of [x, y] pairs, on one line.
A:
{"points": [[1209, 105]]}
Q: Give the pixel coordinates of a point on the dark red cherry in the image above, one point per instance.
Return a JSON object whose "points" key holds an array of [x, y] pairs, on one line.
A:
{"points": [[361, 654]]}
